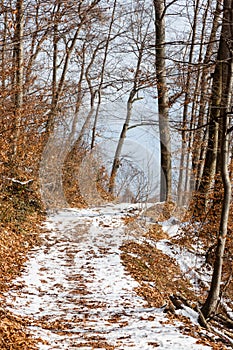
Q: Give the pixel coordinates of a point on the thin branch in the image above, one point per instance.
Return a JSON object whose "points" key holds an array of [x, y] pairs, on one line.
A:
{"points": [[142, 124], [166, 7]]}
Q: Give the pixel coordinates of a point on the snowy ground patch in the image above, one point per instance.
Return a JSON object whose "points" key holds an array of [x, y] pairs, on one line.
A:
{"points": [[191, 264], [76, 283]]}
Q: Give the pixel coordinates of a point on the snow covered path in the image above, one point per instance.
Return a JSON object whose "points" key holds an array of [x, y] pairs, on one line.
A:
{"points": [[76, 287]]}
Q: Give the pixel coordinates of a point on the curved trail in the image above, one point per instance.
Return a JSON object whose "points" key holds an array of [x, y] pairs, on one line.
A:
{"points": [[76, 287]]}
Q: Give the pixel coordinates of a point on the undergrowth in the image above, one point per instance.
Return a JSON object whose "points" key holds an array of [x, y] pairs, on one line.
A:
{"points": [[21, 213], [160, 277]]}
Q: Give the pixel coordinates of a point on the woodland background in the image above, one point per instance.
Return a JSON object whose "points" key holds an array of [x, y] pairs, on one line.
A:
{"points": [[65, 69]]}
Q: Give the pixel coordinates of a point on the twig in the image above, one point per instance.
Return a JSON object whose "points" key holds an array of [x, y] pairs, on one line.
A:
{"points": [[203, 322], [223, 289], [228, 321]]}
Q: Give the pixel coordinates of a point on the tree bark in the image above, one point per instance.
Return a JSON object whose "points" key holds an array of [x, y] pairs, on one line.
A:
{"points": [[163, 102], [211, 302], [116, 161], [3, 53], [201, 135], [69, 50], [137, 86], [180, 190], [99, 93], [19, 70], [209, 171], [226, 68]]}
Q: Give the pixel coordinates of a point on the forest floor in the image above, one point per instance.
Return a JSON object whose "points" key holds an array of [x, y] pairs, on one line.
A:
{"points": [[110, 277]]}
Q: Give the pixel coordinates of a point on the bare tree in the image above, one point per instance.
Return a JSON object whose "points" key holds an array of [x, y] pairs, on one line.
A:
{"points": [[139, 82], [222, 98], [83, 14], [99, 92], [163, 101], [187, 99], [206, 69]]}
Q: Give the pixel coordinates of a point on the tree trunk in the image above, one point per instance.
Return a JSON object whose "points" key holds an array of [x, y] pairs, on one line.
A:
{"points": [[99, 93], [201, 134], [163, 102], [209, 170], [211, 302], [70, 46], [226, 68], [136, 87], [184, 151], [116, 161], [3, 54], [19, 70]]}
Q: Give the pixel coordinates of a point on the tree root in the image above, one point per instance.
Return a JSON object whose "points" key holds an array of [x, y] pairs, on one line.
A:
{"points": [[215, 326]]}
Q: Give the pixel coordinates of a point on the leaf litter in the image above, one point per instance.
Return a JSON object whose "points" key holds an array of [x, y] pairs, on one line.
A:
{"points": [[75, 292]]}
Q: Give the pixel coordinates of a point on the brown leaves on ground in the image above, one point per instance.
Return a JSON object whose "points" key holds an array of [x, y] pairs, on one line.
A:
{"points": [[80, 159], [19, 230], [203, 232], [13, 334], [14, 245], [160, 211], [158, 274], [160, 277], [15, 241], [95, 345]]}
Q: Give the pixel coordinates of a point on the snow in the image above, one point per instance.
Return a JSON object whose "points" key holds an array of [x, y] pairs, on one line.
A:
{"points": [[171, 226], [188, 312], [191, 264], [20, 182], [76, 278]]}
